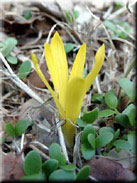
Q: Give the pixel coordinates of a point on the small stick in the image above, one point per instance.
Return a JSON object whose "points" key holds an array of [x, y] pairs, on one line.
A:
{"points": [[123, 30], [18, 82], [44, 147], [50, 32], [22, 144], [62, 141], [100, 23], [130, 68], [40, 152], [34, 41], [98, 85], [76, 148], [120, 11]]}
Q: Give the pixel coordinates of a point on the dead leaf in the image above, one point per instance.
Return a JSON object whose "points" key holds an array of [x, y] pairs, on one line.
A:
{"points": [[124, 157], [32, 110], [34, 79], [43, 25], [12, 167], [106, 169]]}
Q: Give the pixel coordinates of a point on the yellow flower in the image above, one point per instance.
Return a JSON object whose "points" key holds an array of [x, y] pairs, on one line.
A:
{"points": [[69, 90]]}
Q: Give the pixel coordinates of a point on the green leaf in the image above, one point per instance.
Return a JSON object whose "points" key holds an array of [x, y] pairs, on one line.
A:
{"points": [[21, 126], [123, 120], [103, 139], [27, 15], [80, 122], [89, 129], [49, 166], [9, 44], [12, 60], [83, 173], [126, 26], [116, 134], [132, 142], [130, 111], [97, 97], [106, 113], [9, 128], [69, 16], [34, 177], [128, 87], [24, 69], [91, 140], [62, 175], [32, 163], [55, 153], [3, 140], [69, 47], [70, 167], [110, 25], [118, 5], [111, 99], [76, 14], [91, 116], [87, 151], [123, 144], [106, 129]]}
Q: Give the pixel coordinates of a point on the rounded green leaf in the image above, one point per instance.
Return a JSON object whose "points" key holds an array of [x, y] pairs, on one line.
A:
{"points": [[35, 177], [91, 116], [128, 87], [97, 97], [123, 144], [70, 167], [103, 139], [106, 129], [49, 166], [69, 47], [106, 113], [9, 128], [80, 122], [32, 163], [24, 69], [55, 153], [116, 134], [12, 60], [9, 44], [111, 99], [130, 111], [91, 140], [21, 126], [83, 173], [62, 175], [123, 120], [87, 151], [87, 130]]}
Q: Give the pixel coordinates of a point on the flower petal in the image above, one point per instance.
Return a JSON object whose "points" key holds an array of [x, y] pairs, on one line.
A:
{"points": [[40, 74], [51, 64], [78, 66], [74, 97], [59, 55], [99, 59]]}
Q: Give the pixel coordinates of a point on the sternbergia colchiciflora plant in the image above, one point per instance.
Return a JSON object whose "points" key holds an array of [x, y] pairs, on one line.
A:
{"points": [[69, 89]]}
